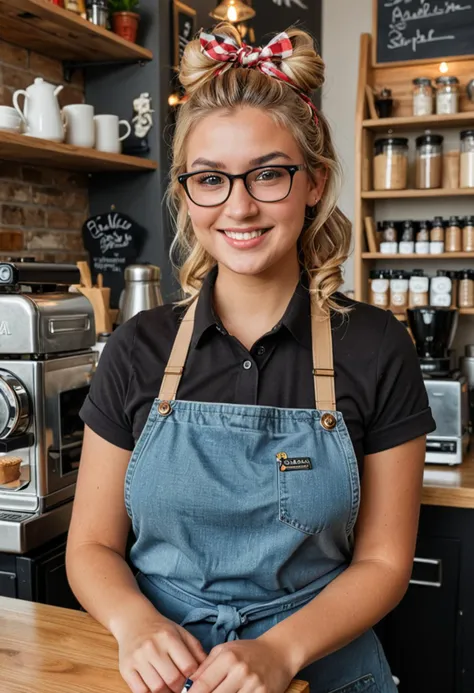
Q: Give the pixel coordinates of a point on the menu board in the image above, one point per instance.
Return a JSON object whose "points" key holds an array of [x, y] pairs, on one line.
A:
{"points": [[411, 30], [113, 241]]}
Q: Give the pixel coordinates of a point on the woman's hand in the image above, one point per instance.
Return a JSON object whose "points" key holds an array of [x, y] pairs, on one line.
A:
{"points": [[244, 666], [157, 656]]}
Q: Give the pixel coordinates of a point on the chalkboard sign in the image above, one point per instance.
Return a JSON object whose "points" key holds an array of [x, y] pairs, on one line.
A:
{"points": [[411, 30], [113, 241], [184, 29]]}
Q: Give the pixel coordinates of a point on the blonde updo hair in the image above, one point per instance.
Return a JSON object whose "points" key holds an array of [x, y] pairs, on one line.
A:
{"points": [[325, 239]]}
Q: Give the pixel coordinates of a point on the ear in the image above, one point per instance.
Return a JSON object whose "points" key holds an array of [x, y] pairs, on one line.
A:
{"points": [[316, 187]]}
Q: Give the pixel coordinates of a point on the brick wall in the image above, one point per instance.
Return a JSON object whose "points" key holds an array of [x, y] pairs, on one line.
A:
{"points": [[41, 209]]}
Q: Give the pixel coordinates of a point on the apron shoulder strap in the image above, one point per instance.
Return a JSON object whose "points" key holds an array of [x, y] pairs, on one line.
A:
{"points": [[179, 352], [323, 368], [323, 365]]}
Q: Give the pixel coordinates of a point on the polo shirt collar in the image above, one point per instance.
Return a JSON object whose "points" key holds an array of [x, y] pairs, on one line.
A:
{"points": [[296, 318]]}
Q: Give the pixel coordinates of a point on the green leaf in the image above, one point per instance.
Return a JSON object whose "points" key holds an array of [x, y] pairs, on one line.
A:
{"points": [[123, 5]]}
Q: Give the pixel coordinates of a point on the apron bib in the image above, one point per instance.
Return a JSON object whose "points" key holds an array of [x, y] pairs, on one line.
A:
{"points": [[243, 514]]}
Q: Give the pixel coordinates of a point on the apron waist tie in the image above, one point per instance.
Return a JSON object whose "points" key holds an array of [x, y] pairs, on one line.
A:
{"points": [[226, 620]]}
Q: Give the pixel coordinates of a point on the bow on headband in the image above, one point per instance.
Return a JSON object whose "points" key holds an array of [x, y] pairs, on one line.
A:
{"points": [[225, 50]]}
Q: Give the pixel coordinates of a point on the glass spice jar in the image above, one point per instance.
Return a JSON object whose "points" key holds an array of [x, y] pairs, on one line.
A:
{"points": [[391, 163], [422, 96], [437, 236], [466, 179], [468, 235], [466, 289], [453, 241], [441, 288], [418, 289], [454, 276], [422, 244], [379, 288], [429, 158], [407, 241], [398, 291], [389, 244], [447, 95]]}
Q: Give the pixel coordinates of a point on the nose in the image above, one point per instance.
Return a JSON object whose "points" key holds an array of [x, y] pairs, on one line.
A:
{"points": [[240, 204]]}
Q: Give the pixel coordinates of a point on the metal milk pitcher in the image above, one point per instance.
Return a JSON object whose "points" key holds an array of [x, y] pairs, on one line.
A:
{"points": [[141, 292]]}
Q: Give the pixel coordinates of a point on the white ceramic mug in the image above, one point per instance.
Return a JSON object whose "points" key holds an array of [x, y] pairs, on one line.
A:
{"points": [[80, 129], [10, 121], [107, 133]]}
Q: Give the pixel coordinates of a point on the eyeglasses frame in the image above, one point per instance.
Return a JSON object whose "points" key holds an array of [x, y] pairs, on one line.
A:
{"points": [[291, 168]]}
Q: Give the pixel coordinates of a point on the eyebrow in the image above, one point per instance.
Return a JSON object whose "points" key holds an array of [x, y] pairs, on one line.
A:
{"points": [[259, 161]]}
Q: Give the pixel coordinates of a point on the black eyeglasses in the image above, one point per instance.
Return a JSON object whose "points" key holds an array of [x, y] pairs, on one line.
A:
{"points": [[265, 184]]}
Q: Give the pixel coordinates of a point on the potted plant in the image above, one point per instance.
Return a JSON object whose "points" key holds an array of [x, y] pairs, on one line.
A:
{"points": [[124, 18]]}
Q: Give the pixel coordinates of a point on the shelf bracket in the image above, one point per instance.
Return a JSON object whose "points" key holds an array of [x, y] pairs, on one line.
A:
{"points": [[69, 66]]}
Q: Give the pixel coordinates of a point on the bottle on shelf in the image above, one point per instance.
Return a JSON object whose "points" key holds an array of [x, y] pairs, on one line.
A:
{"points": [[467, 159], [422, 244], [429, 161], [422, 96], [447, 95], [437, 236], [407, 241], [453, 241], [391, 163], [389, 243], [441, 288], [468, 235], [379, 288], [418, 289], [398, 291], [466, 288]]}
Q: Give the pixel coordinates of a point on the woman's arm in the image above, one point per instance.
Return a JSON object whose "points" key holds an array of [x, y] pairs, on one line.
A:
{"points": [[378, 576], [95, 558]]}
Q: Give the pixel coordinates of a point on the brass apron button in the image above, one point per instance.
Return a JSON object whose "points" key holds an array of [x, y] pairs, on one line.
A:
{"points": [[164, 408], [328, 421]]}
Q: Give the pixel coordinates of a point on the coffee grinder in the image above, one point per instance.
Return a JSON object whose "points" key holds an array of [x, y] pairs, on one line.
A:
{"points": [[433, 330]]}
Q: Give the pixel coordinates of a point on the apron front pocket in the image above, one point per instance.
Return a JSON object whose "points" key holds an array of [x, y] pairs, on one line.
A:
{"points": [[365, 684]]}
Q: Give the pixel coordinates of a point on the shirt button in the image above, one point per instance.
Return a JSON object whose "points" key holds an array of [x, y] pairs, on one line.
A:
{"points": [[261, 350], [247, 365]]}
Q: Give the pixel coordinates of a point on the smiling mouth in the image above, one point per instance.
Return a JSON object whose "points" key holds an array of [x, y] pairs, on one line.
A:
{"points": [[245, 235]]}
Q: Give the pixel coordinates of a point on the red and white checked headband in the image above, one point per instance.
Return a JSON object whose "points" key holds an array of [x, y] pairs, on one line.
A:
{"points": [[225, 50]]}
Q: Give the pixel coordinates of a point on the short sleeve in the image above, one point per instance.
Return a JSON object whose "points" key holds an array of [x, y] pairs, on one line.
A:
{"points": [[401, 410], [104, 409]]}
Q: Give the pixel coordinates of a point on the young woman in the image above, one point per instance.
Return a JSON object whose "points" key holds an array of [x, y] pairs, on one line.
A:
{"points": [[265, 437]]}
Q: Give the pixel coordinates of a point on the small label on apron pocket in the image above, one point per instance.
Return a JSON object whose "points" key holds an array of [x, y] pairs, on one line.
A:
{"points": [[293, 464]]}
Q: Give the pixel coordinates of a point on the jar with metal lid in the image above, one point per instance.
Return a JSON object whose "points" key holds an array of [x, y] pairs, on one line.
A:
{"points": [[447, 95], [468, 235], [418, 289], [441, 288], [389, 243], [453, 242], [391, 163], [407, 241], [466, 179], [429, 158], [466, 288], [437, 236], [422, 96], [398, 291], [379, 288], [422, 244]]}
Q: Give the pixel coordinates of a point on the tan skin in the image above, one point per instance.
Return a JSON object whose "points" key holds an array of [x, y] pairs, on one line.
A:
{"points": [[252, 291]]}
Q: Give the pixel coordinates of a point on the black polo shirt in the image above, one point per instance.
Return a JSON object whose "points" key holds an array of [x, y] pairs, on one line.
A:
{"points": [[379, 388]]}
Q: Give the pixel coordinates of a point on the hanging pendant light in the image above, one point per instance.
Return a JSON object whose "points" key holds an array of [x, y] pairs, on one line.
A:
{"points": [[232, 11]]}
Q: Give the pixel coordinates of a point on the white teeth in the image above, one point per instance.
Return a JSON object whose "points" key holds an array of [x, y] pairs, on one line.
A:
{"points": [[243, 236]]}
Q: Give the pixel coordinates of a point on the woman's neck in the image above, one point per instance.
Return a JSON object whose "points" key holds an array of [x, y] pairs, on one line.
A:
{"points": [[250, 306]]}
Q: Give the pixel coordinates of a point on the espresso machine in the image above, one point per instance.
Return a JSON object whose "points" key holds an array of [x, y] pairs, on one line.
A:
{"points": [[433, 330], [46, 365]]}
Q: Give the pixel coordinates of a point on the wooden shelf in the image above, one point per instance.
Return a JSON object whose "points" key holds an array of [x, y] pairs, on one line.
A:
{"points": [[31, 150], [419, 194], [461, 311], [421, 123], [43, 27], [419, 256]]}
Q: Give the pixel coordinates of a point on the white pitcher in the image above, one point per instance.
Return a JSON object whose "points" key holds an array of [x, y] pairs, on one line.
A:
{"points": [[42, 115]]}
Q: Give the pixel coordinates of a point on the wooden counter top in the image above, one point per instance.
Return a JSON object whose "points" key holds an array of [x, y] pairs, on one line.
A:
{"points": [[450, 486], [44, 649]]}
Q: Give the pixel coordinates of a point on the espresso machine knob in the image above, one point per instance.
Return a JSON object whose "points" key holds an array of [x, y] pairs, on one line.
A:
{"points": [[14, 405]]}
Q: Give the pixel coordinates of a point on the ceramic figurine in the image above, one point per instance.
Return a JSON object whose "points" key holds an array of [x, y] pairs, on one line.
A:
{"points": [[141, 122]]}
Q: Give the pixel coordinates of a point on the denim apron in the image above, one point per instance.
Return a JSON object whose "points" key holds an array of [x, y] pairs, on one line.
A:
{"points": [[243, 514]]}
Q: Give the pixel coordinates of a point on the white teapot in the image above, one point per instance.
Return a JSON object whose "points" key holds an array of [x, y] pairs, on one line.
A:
{"points": [[42, 115]]}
